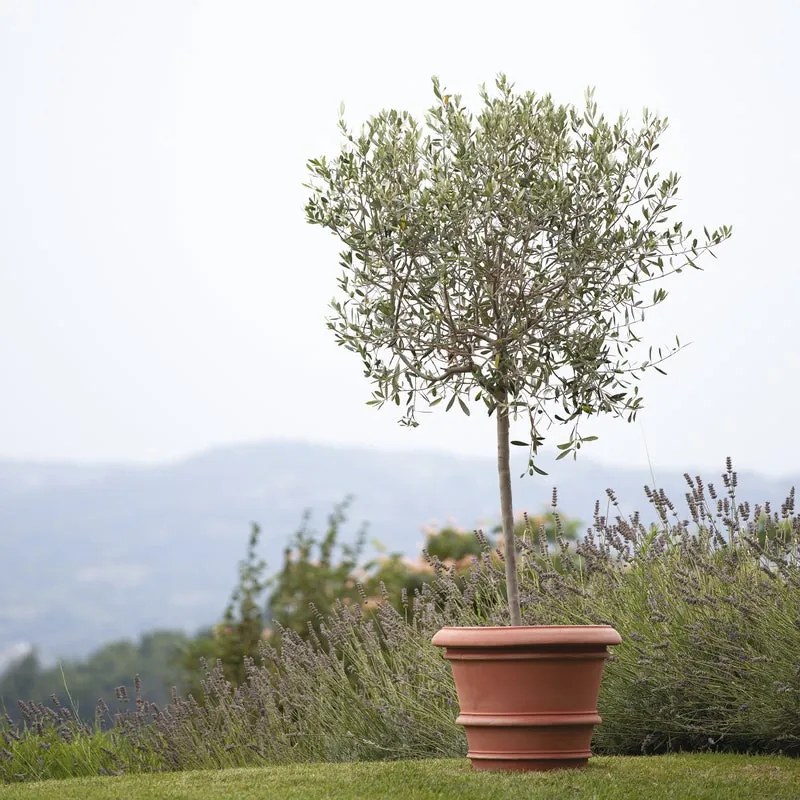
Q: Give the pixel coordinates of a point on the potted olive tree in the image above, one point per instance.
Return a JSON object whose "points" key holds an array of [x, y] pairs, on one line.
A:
{"points": [[506, 259]]}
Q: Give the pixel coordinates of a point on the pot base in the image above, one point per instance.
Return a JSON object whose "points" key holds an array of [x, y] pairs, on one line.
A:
{"points": [[512, 743], [526, 764]]}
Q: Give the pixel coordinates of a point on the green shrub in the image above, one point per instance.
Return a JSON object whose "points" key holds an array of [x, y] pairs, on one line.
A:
{"points": [[369, 687], [153, 656], [709, 612], [52, 741], [708, 608]]}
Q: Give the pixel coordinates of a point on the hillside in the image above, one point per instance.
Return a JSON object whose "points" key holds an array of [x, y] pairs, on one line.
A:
{"points": [[96, 553]]}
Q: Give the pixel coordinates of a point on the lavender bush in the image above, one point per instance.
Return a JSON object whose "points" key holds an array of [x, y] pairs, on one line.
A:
{"points": [[708, 608]]}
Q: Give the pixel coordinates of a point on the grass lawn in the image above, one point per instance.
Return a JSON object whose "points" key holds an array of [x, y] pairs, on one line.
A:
{"points": [[682, 777]]}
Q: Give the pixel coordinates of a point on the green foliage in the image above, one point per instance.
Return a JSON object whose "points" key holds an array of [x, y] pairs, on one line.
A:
{"points": [[316, 571], [22, 678], [459, 548], [47, 755], [155, 658], [319, 571], [453, 544], [52, 741], [242, 627], [502, 257], [552, 524], [394, 579], [243, 621]]}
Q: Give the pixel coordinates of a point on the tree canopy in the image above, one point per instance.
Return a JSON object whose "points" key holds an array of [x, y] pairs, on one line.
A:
{"points": [[504, 257]]}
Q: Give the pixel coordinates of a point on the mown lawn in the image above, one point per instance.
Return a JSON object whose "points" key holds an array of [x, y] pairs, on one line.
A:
{"points": [[682, 777]]}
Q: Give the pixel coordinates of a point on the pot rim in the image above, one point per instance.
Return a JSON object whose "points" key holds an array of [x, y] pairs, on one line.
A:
{"points": [[521, 635]]}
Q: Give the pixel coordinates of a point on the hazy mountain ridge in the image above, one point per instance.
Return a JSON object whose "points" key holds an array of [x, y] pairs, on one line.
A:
{"points": [[95, 553]]}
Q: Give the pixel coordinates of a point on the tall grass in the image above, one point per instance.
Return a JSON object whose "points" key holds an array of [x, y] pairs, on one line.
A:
{"points": [[708, 608]]}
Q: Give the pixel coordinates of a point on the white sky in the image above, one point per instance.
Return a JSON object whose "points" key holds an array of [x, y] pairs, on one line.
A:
{"points": [[160, 291]]}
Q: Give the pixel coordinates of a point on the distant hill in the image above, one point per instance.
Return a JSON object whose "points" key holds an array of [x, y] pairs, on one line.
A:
{"points": [[91, 554]]}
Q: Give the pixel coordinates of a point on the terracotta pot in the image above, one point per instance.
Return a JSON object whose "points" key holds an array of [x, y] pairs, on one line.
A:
{"points": [[528, 695]]}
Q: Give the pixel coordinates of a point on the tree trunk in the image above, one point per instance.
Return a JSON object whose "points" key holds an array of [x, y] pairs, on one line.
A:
{"points": [[507, 510]]}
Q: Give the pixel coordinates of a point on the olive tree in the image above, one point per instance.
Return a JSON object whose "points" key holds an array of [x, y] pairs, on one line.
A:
{"points": [[503, 258]]}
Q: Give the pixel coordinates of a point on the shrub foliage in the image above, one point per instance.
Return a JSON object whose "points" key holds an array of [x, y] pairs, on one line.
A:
{"points": [[708, 608]]}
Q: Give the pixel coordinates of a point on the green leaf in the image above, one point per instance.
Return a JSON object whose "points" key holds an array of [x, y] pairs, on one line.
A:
{"points": [[464, 406], [450, 403], [561, 455], [517, 443], [537, 469], [588, 438]]}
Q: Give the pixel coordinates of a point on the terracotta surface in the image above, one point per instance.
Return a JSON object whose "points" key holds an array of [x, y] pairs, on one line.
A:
{"points": [[528, 695]]}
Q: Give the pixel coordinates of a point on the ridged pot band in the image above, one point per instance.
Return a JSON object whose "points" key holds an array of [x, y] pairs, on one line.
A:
{"points": [[529, 720], [481, 654]]}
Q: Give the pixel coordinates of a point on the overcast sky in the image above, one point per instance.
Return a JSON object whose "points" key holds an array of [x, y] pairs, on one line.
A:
{"points": [[161, 293]]}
